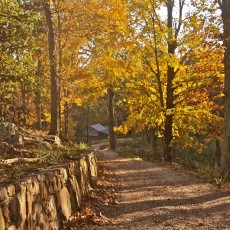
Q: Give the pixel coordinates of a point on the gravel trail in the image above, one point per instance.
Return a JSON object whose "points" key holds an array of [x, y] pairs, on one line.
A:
{"points": [[155, 197]]}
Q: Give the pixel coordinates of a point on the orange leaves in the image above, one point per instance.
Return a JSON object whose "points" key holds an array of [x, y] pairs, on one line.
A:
{"points": [[87, 216], [197, 63]]}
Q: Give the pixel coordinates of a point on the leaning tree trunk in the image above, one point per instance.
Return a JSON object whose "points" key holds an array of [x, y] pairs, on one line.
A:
{"points": [[168, 131], [55, 104], [225, 156], [112, 138]]}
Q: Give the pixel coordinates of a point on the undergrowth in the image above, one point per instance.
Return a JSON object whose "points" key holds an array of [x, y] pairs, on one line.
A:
{"points": [[46, 158], [62, 153]]}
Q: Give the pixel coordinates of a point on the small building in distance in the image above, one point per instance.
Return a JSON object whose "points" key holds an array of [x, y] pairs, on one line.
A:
{"points": [[98, 130]]}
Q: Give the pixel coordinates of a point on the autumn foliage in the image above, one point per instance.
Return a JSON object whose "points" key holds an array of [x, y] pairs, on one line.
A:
{"points": [[162, 60]]}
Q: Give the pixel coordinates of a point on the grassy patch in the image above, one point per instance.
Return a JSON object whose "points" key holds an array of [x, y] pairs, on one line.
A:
{"points": [[47, 158], [63, 153], [129, 154], [125, 153]]}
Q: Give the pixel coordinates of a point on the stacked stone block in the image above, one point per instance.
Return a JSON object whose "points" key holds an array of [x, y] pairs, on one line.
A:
{"points": [[43, 201]]}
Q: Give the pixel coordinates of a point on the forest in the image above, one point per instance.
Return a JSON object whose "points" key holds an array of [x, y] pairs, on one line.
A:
{"points": [[154, 67]]}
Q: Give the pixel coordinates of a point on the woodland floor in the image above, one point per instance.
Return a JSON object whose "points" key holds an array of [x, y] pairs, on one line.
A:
{"points": [[134, 194]]}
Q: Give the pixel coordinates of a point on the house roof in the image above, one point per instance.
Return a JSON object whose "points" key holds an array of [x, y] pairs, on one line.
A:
{"points": [[100, 128]]}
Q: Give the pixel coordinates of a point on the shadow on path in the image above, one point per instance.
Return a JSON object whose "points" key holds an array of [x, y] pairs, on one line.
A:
{"points": [[156, 197]]}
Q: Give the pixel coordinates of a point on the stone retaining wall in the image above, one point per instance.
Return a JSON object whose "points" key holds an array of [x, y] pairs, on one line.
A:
{"points": [[44, 200]]}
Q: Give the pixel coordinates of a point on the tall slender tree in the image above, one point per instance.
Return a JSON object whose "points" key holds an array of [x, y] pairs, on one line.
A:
{"points": [[225, 157], [110, 105], [55, 99], [171, 73]]}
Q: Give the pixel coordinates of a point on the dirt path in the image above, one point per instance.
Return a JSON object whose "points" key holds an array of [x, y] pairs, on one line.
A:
{"points": [[155, 197]]}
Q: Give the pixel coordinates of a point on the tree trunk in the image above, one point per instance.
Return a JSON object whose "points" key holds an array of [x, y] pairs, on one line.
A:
{"points": [[168, 138], [66, 108], [55, 100], [218, 152], [153, 139], [225, 156], [24, 107], [87, 125], [112, 138], [168, 131], [38, 103], [66, 124]]}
